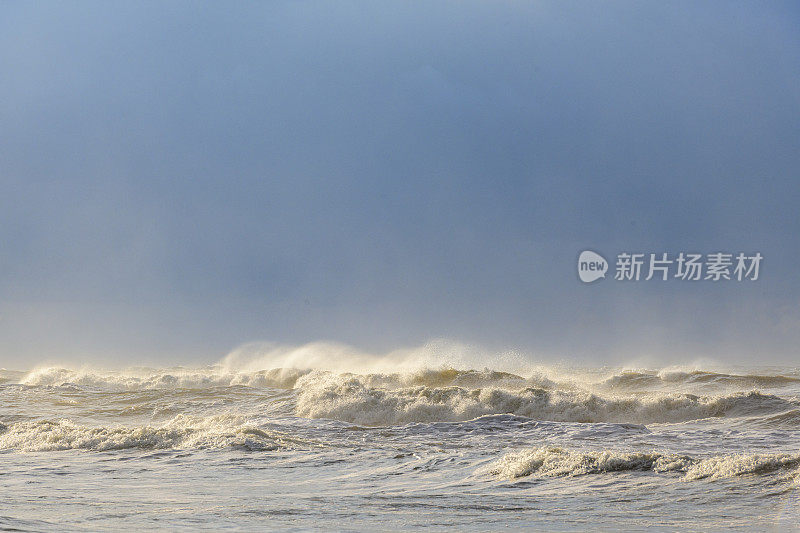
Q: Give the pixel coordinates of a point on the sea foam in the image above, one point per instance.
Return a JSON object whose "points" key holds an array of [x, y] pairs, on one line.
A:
{"points": [[551, 461], [360, 400], [223, 431]]}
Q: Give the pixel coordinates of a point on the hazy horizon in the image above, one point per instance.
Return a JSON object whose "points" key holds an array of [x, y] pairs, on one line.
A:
{"points": [[180, 180]]}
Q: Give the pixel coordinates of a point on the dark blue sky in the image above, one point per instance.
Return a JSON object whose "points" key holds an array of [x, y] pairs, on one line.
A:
{"points": [[181, 178]]}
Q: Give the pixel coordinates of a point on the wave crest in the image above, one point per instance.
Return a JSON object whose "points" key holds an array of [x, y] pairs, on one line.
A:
{"points": [[637, 380], [548, 461], [355, 399], [139, 379], [223, 431]]}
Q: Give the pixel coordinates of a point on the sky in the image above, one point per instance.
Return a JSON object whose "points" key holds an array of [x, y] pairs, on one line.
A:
{"points": [[182, 178]]}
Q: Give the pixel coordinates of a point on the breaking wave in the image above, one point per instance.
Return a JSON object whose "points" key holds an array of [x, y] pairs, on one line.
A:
{"points": [[445, 395], [435, 364], [356, 399], [438, 382], [178, 378], [223, 431], [555, 462], [638, 380]]}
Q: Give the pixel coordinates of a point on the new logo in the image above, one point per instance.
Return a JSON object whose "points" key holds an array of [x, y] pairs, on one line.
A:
{"points": [[591, 266]]}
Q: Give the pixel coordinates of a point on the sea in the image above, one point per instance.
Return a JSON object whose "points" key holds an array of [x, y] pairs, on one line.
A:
{"points": [[317, 438]]}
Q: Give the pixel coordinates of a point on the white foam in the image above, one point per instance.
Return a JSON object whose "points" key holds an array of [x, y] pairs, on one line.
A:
{"points": [[222, 431], [357, 399], [137, 379], [550, 461]]}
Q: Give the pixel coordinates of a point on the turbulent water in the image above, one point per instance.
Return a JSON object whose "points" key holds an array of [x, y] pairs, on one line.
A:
{"points": [[237, 446]]}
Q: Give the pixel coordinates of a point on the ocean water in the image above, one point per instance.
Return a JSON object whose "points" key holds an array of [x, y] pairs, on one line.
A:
{"points": [[240, 447]]}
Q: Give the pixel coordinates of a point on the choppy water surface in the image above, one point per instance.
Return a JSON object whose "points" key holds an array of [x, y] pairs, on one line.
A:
{"points": [[574, 449]]}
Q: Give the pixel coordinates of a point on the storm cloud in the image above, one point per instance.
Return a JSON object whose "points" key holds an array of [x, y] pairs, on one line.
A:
{"points": [[182, 178]]}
